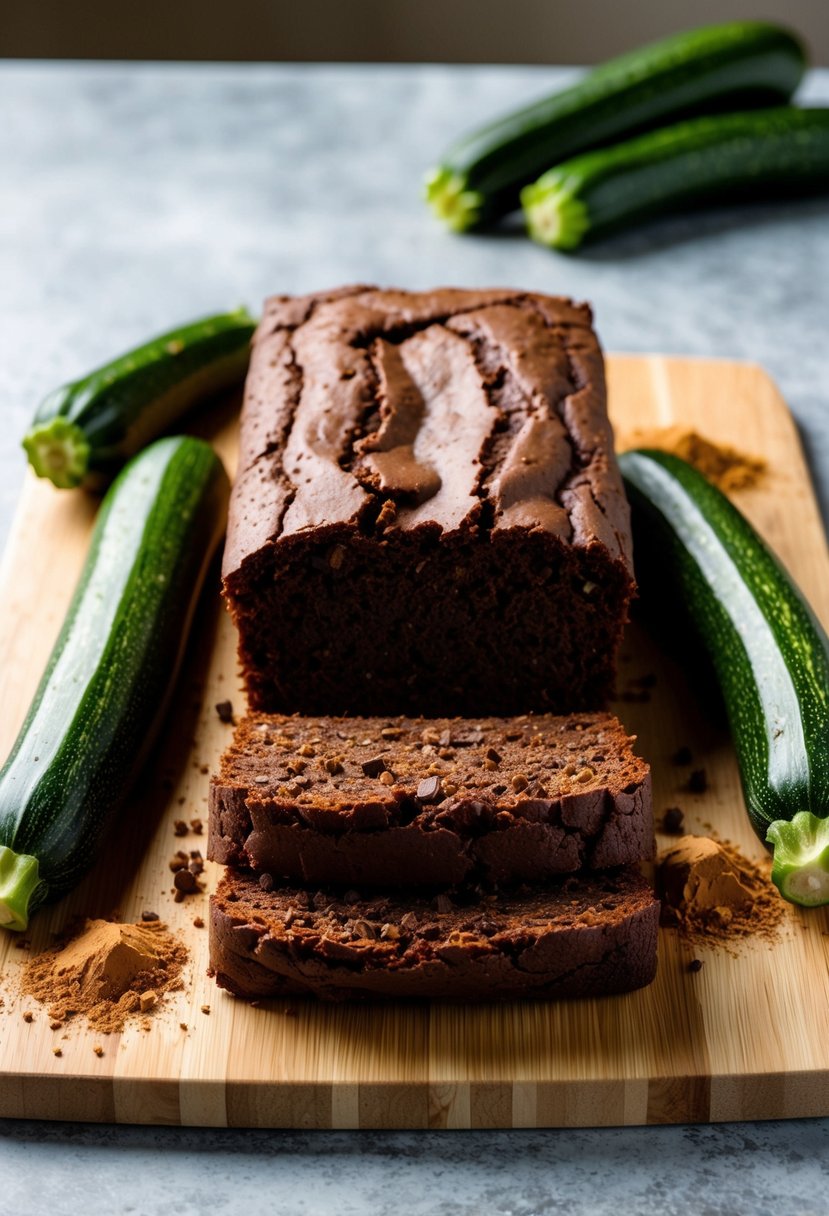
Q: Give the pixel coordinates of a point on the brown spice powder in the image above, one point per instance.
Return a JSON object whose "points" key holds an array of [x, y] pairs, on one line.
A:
{"points": [[727, 467], [101, 973], [757, 910]]}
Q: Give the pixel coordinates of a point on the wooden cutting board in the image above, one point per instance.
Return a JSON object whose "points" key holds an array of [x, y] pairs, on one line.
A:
{"points": [[746, 1037]]}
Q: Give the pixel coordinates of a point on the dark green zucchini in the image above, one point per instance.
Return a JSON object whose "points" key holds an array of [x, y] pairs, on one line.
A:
{"points": [[731, 156], [84, 431], [108, 678], [719, 67], [769, 652]]}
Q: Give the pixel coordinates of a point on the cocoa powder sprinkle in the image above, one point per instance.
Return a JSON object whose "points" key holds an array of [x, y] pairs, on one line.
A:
{"points": [[713, 894], [101, 973]]}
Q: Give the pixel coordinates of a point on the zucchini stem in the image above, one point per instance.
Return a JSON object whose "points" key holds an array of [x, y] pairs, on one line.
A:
{"points": [[21, 888], [555, 217], [58, 450], [451, 202], [800, 869]]}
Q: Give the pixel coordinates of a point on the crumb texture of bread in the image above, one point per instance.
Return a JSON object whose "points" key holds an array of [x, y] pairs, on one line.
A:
{"points": [[396, 802], [571, 938], [428, 516]]}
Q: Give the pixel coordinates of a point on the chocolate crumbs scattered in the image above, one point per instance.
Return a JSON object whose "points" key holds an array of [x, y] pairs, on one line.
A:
{"points": [[698, 781], [673, 821]]}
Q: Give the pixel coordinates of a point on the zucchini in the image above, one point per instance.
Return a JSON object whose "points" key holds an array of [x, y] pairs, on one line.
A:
{"points": [[719, 67], [778, 151], [769, 652], [85, 430], [111, 670]]}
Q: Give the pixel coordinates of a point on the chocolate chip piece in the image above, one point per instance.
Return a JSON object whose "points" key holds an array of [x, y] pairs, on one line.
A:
{"points": [[147, 916], [673, 821], [492, 755], [179, 827], [430, 790], [266, 882], [683, 756], [698, 781], [225, 711], [185, 882], [695, 964], [373, 768]]}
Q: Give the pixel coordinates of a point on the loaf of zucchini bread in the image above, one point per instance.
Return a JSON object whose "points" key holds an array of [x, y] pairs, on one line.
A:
{"points": [[428, 517]]}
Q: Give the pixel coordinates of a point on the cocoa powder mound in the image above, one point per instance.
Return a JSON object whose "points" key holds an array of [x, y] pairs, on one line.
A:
{"points": [[101, 973], [728, 468], [714, 894]]}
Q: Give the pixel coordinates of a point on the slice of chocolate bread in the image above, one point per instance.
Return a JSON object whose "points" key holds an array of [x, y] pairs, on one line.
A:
{"points": [[401, 802], [577, 937], [428, 516]]}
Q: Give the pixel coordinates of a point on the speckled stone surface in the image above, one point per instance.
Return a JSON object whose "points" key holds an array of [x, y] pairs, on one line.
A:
{"points": [[134, 197], [737, 1170]]}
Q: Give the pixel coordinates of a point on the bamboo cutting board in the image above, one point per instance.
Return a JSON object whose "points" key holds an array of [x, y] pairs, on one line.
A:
{"points": [[746, 1037]]}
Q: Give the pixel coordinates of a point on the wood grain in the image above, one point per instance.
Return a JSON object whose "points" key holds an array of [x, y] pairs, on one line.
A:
{"points": [[745, 1037]]}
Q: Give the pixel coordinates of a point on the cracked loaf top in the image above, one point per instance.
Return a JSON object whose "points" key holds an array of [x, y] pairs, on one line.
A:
{"points": [[455, 411]]}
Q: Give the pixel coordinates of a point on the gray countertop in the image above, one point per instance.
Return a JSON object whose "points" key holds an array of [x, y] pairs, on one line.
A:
{"points": [[133, 197]]}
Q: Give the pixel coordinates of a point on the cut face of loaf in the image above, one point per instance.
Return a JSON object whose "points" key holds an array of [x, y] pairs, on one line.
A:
{"points": [[577, 937], [428, 516], [399, 802]]}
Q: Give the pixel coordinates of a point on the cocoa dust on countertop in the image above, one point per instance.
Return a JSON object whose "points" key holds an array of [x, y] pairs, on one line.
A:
{"points": [[728, 468], [103, 972]]}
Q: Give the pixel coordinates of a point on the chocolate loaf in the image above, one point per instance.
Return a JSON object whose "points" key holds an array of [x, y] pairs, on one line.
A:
{"points": [[396, 802], [428, 517], [577, 937]]}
